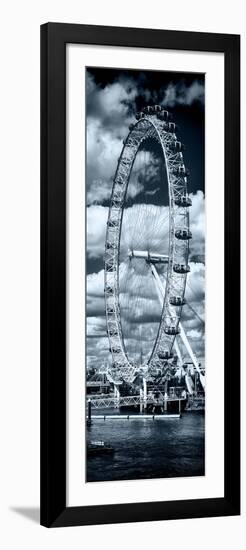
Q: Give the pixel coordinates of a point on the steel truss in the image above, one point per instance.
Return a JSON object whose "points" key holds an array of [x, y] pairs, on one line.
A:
{"points": [[161, 294], [131, 400], [151, 125]]}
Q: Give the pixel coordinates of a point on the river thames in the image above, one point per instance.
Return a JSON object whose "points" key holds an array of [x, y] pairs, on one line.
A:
{"points": [[144, 448]]}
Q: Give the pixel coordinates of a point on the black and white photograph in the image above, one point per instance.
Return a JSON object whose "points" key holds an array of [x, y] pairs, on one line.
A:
{"points": [[122, 258], [145, 264]]}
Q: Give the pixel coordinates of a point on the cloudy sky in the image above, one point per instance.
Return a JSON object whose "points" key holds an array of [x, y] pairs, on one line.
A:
{"points": [[113, 97]]}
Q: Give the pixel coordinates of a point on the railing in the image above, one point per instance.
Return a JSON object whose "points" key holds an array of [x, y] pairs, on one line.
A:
{"points": [[130, 400], [99, 384]]}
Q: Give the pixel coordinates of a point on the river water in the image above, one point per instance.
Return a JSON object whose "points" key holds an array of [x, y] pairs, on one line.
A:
{"points": [[145, 448]]}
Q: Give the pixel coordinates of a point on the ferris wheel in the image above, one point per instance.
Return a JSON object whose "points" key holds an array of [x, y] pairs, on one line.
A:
{"points": [[153, 124]]}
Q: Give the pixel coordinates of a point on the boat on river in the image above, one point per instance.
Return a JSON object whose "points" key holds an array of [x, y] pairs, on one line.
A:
{"points": [[99, 447]]}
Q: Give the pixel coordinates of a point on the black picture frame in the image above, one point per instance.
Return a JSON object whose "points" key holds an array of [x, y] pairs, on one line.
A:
{"points": [[54, 37]]}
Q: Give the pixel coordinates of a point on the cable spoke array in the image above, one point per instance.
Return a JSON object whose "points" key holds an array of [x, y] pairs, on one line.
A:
{"points": [[141, 332]]}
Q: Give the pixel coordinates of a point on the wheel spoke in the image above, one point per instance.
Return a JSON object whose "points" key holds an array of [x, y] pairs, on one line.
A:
{"points": [[137, 224]]}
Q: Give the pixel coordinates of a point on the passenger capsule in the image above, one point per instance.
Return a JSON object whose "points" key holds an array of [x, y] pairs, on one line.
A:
{"points": [[181, 268], [165, 355], [109, 289], [177, 146], [164, 115], [171, 127], [181, 171], [112, 223], [120, 182], [149, 110], [183, 200], [172, 330], [112, 332], [176, 300], [183, 234], [110, 265], [117, 201]]}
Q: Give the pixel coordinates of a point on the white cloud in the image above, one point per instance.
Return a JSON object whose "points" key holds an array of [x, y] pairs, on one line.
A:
{"points": [[194, 334], [141, 310], [110, 110], [108, 119], [145, 227], [111, 104], [195, 288], [96, 230], [96, 326], [95, 283], [197, 225], [95, 294], [181, 94], [103, 150]]}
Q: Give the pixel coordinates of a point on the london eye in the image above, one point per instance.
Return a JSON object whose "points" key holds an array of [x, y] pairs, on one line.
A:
{"points": [[134, 256]]}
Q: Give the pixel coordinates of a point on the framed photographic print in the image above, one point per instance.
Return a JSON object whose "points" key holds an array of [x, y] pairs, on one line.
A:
{"points": [[140, 275]]}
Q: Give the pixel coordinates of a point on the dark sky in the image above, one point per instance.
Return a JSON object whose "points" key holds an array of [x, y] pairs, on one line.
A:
{"points": [[113, 98], [188, 115], [190, 119]]}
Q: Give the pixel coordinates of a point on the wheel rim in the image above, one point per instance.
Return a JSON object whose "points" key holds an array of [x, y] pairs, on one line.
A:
{"points": [[150, 126]]}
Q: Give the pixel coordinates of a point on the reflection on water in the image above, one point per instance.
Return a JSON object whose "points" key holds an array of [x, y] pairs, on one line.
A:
{"points": [[148, 449]]}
